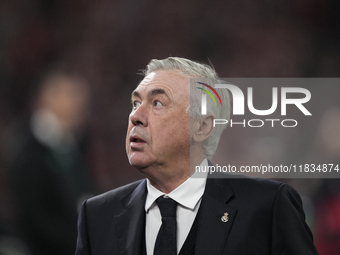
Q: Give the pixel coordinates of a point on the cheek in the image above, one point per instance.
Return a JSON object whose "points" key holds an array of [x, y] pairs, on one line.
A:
{"points": [[186, 133], [176, 131], [185, 124]]}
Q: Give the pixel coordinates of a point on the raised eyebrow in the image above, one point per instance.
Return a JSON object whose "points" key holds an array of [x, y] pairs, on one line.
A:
{"points": [[150, 94], [157, 92], [135, 94]]}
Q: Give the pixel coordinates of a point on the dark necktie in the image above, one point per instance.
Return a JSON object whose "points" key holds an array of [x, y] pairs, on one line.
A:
{"points": [[166, 239]]}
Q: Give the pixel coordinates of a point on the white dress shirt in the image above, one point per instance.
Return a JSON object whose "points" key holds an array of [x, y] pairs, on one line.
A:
{"points": [[188, 196]]}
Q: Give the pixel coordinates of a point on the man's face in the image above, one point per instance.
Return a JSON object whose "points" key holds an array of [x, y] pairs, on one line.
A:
{"points": [[159, 127]]}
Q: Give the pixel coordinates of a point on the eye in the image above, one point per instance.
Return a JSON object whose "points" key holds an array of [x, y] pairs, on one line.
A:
{"points": [[135, 104], [157, 104]]}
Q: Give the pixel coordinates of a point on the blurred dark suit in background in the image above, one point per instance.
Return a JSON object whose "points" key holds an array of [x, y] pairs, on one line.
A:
{"points": [[46, 168]]}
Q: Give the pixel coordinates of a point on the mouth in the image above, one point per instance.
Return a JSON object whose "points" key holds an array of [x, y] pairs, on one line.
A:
{"points": [[136, 139], [136, 142]]}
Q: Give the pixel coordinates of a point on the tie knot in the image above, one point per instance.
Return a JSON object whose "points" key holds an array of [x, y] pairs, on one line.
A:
{"points": [[167, 206]]}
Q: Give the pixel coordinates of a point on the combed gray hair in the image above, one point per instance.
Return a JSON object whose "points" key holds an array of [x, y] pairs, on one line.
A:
{"points": [[203, 73]]}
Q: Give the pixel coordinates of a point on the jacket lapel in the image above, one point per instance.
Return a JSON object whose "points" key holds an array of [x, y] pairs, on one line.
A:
{"points": [[130, 224], [212, 232]]}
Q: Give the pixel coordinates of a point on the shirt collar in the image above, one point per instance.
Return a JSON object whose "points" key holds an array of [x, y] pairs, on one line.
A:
{"points": [[187, 194]]}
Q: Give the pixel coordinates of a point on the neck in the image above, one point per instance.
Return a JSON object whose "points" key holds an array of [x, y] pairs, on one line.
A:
{"points": [[167, 181], [166, 178], [197, 155]]}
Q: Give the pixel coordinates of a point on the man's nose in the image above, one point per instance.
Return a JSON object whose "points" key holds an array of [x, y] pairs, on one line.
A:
{"points": [[139, 116]]}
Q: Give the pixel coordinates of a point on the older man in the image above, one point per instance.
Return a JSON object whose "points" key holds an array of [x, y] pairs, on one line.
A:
{"points": [[169, 213]]}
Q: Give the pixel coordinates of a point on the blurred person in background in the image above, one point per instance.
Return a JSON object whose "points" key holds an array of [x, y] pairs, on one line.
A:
{"points": [[45, 165]]}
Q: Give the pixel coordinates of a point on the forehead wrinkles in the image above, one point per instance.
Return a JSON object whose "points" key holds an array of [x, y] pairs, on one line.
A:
{"points": [[172, 82], [145, 88]]}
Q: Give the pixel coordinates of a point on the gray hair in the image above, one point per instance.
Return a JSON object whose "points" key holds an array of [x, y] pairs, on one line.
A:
{"points": [[203, 73]]}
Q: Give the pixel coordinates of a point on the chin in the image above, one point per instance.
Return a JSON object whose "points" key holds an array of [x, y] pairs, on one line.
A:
{"points": [[140, 163]]}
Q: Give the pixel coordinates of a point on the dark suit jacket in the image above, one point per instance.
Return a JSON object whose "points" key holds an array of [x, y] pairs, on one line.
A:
{"points": [[265, 217]]}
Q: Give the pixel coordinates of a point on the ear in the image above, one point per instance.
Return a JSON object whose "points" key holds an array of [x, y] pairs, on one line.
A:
{"points": [[203, 129]]}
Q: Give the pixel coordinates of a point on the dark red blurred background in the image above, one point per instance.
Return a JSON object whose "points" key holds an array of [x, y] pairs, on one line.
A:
{"points": [[108, 42]]}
